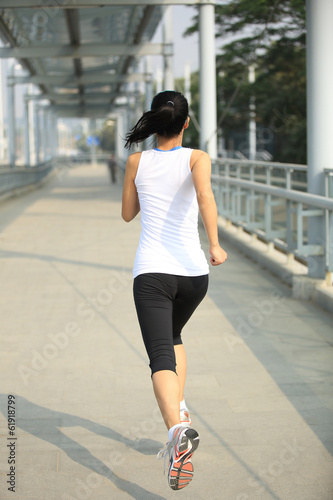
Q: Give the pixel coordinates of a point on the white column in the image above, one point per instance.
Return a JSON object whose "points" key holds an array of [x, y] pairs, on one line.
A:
{"points": [[2, 122], [93, 144], [169, 82], [159, 81], [319, 23], [44, 133], [120, 135], [149, 92], [37, 133], [26, 132], [252, 122], [31, 105], [187, 80], [11, 119], [208, 123], [54, 136]]}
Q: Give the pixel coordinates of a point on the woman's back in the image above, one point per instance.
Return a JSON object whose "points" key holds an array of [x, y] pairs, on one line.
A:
{"points": [[169, 241]]}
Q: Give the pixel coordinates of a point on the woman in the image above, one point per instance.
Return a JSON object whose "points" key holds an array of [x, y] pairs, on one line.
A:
{"points": [[168, 185]]}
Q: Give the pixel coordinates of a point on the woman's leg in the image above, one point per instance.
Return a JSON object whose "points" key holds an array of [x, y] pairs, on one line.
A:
{"points": [[190, 292], [167, 390], [180, 368], [154, 295]]}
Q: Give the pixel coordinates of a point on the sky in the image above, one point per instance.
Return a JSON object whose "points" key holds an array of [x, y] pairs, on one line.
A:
{"points": [[186, 50]]}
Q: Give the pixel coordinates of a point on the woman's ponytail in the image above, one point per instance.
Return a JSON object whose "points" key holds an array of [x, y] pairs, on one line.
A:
{"points": [[167, 116]]}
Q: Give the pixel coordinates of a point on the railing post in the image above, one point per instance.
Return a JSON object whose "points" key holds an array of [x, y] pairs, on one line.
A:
{"points": [[289, 227], [299, 227], [227, 194], [268, 205], [239, 192]]}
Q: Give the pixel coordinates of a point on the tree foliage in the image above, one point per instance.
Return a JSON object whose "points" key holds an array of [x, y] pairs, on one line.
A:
{"points": [[269, 34]]}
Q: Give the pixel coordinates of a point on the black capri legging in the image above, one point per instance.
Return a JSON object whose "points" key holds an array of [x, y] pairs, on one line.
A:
{"points": [[164, 303]]}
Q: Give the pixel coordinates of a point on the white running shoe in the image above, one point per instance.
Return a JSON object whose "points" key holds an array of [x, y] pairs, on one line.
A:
{"points": [[180, 450]]}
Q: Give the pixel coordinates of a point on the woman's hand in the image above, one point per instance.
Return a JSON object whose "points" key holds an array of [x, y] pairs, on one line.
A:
{"points": [[217, 255]]}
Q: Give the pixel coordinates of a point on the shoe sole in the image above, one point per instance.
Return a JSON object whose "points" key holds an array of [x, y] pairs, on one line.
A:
{"points": [[181, 471]]}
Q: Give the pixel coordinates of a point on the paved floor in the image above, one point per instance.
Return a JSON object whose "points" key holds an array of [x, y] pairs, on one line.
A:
{"points": [[87, 425]]}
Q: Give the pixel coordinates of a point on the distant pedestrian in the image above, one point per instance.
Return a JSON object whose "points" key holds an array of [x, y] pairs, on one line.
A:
{"points": [[112, 166], [169, 184]]}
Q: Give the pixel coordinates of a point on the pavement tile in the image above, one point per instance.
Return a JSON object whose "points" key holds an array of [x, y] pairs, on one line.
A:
{"points": [[260, 369]]}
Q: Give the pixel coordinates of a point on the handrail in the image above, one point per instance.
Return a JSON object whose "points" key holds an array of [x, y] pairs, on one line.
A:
{"points": [[292, 195], [19, 177], [279, 215], [260, 163]]}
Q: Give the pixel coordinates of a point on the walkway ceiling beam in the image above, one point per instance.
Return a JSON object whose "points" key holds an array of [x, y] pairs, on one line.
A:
{"points": [[73, 25], [7, 37], [91, 50], [125, 65], [86, 79], [72, 97], [69, 4], [94, 98]]}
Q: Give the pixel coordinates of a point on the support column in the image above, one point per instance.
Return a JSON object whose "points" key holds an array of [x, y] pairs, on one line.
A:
{"points": [[149, 92], [55, 141], [2, 121], [26, 132], [169, 82], [208, 122], [120, 135], [187, 82], [159, 80], [37, 134], [92, 127], [319, 21], [44, 133], [11, 120]]}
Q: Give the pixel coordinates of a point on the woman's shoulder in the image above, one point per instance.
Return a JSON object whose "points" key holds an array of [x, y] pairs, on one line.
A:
{"points": [[132, 164], [198, 154], [134, 157]]}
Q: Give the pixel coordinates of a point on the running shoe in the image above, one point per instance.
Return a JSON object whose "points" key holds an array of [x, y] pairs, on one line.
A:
{"points": [[179, 451], [185, 418]]}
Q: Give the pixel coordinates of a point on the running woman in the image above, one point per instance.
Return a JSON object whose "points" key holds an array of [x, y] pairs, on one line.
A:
{"points": [[169, 185]]}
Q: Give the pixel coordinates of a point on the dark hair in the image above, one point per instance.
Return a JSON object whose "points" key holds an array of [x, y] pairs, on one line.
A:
{"points": [[167, 116]]}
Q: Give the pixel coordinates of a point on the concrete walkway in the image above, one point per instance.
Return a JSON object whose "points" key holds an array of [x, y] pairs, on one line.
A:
{"points": [[87, 425]]}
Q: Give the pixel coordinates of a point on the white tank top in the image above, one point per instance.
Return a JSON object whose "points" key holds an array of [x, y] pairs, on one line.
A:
{"points": [[169, 241]]}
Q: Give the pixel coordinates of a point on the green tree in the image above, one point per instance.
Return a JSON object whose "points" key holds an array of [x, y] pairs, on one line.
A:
{"points": [[271, 35]]}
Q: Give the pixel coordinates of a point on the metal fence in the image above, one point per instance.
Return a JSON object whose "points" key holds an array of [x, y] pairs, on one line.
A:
{"points": [[269, 199], [15, 178]]}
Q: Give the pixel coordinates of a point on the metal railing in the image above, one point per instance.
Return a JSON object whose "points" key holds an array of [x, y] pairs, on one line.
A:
{"points": [[268, 199], [18, 177]]}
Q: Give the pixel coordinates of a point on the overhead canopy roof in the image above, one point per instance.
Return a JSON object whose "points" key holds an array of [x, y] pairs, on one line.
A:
{"points": [[81, 58]]}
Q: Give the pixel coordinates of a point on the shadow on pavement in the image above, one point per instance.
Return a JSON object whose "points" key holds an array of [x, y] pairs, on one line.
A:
{"points": [[46, 424]]}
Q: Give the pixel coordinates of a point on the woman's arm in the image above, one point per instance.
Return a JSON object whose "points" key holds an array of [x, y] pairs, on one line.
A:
{"points": [[201, 172], [130, 202]]}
